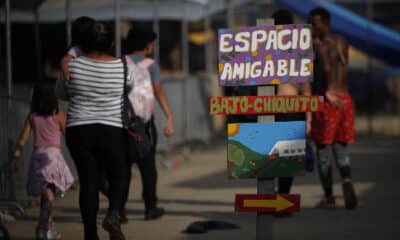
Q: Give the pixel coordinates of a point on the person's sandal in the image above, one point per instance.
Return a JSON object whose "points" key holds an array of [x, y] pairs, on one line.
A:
{"points": [[112, 224]]}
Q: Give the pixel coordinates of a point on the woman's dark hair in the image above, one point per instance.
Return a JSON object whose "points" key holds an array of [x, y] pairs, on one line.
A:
{"points": [[282, 16], [44, 101], [322, 12], [99, 38], [138, 39], [79, 30]]}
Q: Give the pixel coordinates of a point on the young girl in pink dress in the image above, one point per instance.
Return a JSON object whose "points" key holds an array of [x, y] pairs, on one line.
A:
{"points": [[48, 171]]}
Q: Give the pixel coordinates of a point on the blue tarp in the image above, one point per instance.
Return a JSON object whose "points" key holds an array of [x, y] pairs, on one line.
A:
{"points": [[359, 31]]}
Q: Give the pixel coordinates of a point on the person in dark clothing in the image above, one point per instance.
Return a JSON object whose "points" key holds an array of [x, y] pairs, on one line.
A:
{"points": [[140, 46], [95, 135]]}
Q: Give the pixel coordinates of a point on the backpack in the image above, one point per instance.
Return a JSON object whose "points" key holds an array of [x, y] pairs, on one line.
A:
{"points": [[141, 95]]}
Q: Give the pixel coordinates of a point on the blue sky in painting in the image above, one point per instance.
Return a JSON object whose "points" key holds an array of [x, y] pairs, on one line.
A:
{"points": [[261, 137]]}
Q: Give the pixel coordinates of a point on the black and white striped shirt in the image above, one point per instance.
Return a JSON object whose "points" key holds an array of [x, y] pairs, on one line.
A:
{"points": [[95, 92]]}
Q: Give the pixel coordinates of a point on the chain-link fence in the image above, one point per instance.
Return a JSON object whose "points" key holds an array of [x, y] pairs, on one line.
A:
{"points": [[12, 183], [193, 123]]}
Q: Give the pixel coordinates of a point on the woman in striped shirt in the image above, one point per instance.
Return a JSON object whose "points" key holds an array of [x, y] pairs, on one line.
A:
{"points": [[95, 134]]}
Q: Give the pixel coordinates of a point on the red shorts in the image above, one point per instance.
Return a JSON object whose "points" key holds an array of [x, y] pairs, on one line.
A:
{"points": [[334, 124]]}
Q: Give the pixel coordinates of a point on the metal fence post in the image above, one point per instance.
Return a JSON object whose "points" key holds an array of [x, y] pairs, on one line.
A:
{"points": [[117, 22], [68, 21], [38, 47], [156, 29], [8, 49], [185, 71]]}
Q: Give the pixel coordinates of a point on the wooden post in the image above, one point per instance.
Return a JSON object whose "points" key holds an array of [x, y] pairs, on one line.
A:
{"points": [[264, 225]]}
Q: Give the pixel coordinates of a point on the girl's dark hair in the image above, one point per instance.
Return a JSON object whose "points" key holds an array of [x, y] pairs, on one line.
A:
{"points": [[79, 30], [99, 38], [44, 101]]}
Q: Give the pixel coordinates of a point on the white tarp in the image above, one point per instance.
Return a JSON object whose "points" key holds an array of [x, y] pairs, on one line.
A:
{"points": [[54, 10]]}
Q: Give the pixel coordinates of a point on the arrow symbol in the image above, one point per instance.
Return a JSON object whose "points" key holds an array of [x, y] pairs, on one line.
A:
{"points": [[279, 203], [267, 203]]}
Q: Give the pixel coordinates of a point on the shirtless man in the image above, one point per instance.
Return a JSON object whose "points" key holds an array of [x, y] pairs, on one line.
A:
{"points": [[333, 128], [289, 89]]}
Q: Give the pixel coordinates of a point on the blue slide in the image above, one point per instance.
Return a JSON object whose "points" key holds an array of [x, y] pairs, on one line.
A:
{"points": [[385, 43]]}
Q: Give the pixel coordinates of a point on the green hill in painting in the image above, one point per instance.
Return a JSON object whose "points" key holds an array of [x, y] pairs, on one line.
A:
{"points": [[245, 163]]}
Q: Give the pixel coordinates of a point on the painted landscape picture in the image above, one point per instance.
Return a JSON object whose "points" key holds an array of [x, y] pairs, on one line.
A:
{"points": [[266, 150]]}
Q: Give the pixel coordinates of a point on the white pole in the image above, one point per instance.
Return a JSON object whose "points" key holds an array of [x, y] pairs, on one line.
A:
{"points": [[185, 43], [156, 29], [185, 71], [68, 21], [8, 48], [207, 30], [230, 13], [117, 13]]}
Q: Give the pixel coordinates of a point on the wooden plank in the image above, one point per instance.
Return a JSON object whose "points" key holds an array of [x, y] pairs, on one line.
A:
{"points": [[266, 150], [266, 91], [264, 226], [267, 203], [264, 104], [264, 55]]}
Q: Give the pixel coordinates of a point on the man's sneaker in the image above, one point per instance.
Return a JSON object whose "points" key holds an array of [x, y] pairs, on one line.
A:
{"points": [[112, 224], [154, 213], [350, 198], [326, 203]]}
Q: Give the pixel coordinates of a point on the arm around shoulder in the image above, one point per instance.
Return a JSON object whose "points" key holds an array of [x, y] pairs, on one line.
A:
{"points": [[64, 66]]}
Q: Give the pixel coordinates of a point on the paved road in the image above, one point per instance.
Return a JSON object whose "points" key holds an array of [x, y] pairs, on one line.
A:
{"points": [[199, 190]]}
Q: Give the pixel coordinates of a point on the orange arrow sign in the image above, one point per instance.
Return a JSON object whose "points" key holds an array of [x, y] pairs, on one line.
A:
{"points": [[279, 204], [267, 203]]}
